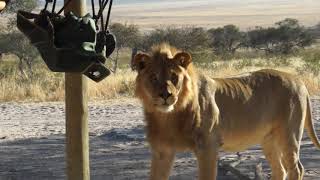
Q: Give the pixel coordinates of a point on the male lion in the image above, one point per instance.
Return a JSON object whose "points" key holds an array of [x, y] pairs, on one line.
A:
{"points": [[185, 110]]}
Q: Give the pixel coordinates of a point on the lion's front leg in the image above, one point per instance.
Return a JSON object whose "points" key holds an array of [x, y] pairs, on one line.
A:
{"points": [[207, 163], [206, 118], [161, 164]]}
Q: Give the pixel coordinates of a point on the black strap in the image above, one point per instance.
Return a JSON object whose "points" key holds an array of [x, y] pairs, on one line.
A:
{"points": [[102, 5], [54, 6], [46, 5], [97, 17], [108, 16], [100, 14], [93, 10], [64, 6]]}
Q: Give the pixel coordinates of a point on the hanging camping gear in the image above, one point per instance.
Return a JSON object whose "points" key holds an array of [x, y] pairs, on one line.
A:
{"points": [[69, 43]]}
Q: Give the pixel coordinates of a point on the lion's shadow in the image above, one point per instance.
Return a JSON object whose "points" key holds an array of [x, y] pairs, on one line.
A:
{"points": [[117, 154]]}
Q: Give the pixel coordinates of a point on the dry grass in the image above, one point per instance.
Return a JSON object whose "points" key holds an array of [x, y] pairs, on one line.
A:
{"points": [[44, 86], [115, 86], [48, 86]]}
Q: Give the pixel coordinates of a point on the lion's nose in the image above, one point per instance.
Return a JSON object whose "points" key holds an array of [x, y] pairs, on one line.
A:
{"points": [[165, 95]]}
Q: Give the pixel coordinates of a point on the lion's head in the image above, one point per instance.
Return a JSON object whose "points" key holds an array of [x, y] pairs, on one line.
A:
{"points": [[164, 81]]}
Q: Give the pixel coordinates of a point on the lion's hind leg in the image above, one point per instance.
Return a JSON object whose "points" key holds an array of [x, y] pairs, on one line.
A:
{"points": [[273, 156], [293, 165], [289, 139], [290, 150], [290, 156]]}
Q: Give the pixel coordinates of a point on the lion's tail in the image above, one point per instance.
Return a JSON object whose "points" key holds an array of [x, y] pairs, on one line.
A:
{"points": [[309, 125]]}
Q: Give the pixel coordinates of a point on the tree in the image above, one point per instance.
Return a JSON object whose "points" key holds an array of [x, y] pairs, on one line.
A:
{"points": [[127, 35], [292, 35], [315, 31], [265, 39], [226, 40], [15, 5], [14, 42], [195, 38], [186, 38], [284, 38], [171, 35]]}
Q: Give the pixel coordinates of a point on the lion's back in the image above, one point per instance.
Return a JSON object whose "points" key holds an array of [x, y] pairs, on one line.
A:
{"points": [[260, 83], [261, 94]]}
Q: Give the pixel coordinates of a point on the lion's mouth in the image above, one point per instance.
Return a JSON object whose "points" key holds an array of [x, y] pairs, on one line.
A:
{"points": [[165, 108], [164, 105]]}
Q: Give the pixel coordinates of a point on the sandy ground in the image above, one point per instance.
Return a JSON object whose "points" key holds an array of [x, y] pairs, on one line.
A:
{"points": [[32, 144]]}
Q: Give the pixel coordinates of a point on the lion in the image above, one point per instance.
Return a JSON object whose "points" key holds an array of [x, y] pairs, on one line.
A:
{"points": [[186, 111]]}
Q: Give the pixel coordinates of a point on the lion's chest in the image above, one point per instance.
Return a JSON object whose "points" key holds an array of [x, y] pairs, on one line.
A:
{"points": [[171, 132]]}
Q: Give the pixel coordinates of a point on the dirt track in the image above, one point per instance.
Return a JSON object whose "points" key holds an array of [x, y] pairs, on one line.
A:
{"points": [[32, 144]]}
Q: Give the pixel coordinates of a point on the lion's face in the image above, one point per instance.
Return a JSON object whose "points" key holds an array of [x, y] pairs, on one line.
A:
{"points": [[161, 79]]}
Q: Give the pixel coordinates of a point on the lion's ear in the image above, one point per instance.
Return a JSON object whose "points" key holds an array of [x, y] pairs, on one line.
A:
{"points": [[183, 59], [139, 61]]}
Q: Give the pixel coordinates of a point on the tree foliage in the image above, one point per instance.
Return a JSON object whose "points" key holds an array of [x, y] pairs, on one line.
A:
{"points": [[15, 5], [226, 39], [187, 38], [127, 36], [14, 42], [287, 36], [265, 39]]}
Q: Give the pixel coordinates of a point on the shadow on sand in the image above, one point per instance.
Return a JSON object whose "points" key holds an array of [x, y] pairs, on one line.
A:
{"points": [[117, 154]]}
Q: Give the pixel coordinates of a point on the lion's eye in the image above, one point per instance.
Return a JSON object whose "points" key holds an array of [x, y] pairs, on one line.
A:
{"points": [[174, 78]]}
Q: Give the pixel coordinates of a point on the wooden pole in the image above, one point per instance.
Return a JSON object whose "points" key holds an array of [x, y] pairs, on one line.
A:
{"points": [[77, 136]]}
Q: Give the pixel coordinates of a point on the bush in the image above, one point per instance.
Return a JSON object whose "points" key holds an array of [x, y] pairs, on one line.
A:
{"points": [[285, 38], [187, 38], [226, 40]]}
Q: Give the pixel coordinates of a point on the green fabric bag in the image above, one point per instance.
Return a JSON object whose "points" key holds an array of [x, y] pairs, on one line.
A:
{"points": [[66, 44]]}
